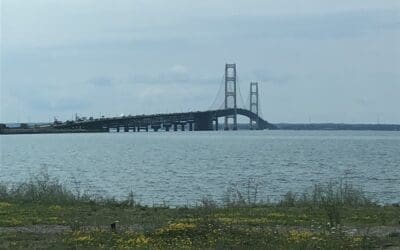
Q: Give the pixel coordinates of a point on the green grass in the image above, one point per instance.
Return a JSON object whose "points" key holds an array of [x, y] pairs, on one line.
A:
{"points": [[318, 218], [30, 241]]}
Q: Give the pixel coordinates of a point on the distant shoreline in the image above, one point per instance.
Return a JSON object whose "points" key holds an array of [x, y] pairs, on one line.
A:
{"points": [[337, 126]]}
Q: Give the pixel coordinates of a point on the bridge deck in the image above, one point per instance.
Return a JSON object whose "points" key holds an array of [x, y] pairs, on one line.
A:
{"points": [[202, 120]]}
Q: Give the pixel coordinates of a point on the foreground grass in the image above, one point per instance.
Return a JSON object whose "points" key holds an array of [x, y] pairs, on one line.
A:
{"points": [[43, 214], [88, 225]]}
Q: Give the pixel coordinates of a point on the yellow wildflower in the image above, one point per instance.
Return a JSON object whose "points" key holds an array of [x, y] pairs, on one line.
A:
{"points": [[299, 236], [83, 239], [276, 215], [55, 207], [177, 227], [4, 205]]}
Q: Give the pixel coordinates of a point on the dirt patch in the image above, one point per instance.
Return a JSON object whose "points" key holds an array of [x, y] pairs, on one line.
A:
{"points": [[38, 229], [378, 231]]}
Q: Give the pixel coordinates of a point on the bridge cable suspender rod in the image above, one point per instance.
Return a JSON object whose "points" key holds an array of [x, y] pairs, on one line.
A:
{"points": [[241, 103], [218, 102]]}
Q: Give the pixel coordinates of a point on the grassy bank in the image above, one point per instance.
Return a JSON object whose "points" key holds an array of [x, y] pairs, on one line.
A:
{"points": [[42, 213]]}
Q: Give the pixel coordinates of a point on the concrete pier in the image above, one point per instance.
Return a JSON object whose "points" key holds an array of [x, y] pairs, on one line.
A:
{"points": [[167, 127], [155, 127]]}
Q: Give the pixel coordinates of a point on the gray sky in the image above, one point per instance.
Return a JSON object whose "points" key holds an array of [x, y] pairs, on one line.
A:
{"points": [[328, 61]]}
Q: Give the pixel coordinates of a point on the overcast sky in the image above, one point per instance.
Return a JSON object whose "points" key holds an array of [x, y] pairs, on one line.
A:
{"points": [[315, 60]]}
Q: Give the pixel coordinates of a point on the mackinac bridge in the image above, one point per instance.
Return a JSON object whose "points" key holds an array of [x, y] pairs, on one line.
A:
{"points": [[226, 106]]}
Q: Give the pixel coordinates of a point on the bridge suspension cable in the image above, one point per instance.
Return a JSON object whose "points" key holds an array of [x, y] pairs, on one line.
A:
{"points": [[218, 102], [260, 113], [241, 103], [247, 103]]}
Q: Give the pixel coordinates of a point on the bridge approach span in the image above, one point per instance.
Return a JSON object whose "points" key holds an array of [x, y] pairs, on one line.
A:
{"points": [[198, 121]]}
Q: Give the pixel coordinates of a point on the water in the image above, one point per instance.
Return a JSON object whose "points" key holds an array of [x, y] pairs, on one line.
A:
{"points": [[181, 167]]}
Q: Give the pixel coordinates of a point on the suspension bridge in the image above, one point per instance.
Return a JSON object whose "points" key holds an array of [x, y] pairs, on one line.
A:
{"points": [[229, 108]]}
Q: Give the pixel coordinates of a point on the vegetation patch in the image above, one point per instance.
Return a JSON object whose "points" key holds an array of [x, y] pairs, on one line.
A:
{"points": [[43, 214]]}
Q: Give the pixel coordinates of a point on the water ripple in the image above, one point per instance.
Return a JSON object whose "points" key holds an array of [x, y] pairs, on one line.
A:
{"points": [[180, 168]]}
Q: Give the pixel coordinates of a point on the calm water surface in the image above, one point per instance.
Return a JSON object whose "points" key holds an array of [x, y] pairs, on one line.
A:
{"points": [[181, 167]]}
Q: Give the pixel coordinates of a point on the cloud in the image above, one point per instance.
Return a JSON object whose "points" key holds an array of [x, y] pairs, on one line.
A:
{"points": [[179, 69], [72, 23], [266, 76], [363, 101], [144, 56], [101, 81], [61, 105], [310, 26], [172, 76]]}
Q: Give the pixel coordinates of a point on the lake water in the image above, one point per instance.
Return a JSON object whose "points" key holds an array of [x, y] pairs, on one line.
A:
{"points": [[181, 167]]}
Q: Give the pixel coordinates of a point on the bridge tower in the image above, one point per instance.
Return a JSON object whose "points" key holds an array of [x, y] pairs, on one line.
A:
{"points": [[254, 104], [230, 93]]}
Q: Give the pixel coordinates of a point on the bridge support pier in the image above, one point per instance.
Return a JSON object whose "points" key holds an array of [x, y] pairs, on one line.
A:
{"points": [[155, 127], [216, 124], [203, 121], [167, 126], [190, 126], [126, 129], [175, 127], [118, 129], [183, 126], [226, 127]]}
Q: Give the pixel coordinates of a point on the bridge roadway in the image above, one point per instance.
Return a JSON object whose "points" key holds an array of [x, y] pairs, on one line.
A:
{"points": [[198, 121]]}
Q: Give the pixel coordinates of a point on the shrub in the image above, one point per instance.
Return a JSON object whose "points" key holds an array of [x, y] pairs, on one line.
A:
{"points": [[331, 197], [40, 188]]}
